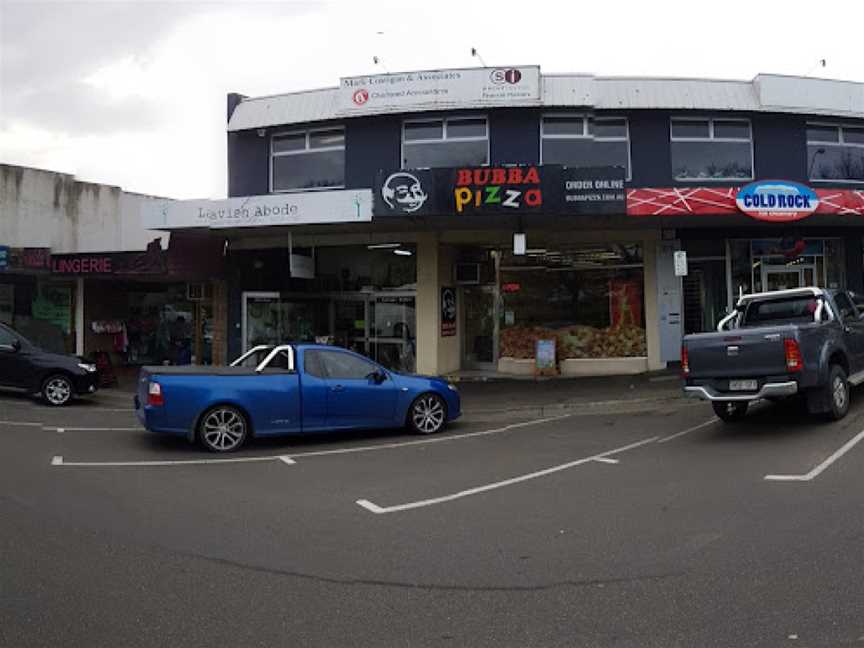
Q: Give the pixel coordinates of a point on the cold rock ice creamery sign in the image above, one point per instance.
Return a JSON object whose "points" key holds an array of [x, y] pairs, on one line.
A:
{"points": [[439, 88], [777, 201]]}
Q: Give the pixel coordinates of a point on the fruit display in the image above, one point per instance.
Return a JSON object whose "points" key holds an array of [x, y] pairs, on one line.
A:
{"points": [[575, 341]]}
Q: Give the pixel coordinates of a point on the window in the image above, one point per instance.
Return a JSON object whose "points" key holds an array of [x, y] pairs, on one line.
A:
{"points": [[781, 311], [6, 337], [583, 140], [313, 364], [588, 297], [711, 149], [344, 366], [455, 141], [835, 152], [313, 159], [847, 310]]}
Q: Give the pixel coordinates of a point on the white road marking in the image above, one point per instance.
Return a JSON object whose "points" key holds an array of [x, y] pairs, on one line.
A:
{"points": [[50, 428], [24, 423], [287, 460], [58, 461], [59, 430], [314, 453], [375, 508], [846, 447], [688, 430], [606, 460]]}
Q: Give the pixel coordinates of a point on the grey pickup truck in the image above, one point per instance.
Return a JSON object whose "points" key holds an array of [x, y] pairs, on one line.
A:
{"points": [[805, 341]]}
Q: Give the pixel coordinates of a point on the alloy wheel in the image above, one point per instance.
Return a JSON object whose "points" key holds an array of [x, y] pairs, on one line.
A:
{"points": [[840, 392], [58, 391], [428, 414], [223, 429]]}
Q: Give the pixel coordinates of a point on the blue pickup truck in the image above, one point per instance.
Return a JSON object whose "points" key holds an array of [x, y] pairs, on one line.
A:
{"points": [[289, 389]]}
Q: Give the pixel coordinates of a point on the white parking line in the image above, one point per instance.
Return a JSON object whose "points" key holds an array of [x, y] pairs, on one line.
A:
{"points": [[314, 453], [22, 423], [58, 461], [688, 430], [606, 460], [51, 428], [374, 508], [818, 470]]}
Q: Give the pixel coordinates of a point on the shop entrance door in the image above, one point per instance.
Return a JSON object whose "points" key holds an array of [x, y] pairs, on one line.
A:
{"points": [[479, 346], [784, 277]]}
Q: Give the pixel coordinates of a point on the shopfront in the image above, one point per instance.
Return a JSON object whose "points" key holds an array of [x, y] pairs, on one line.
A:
{"points": [[361, 297], [39, 306]]}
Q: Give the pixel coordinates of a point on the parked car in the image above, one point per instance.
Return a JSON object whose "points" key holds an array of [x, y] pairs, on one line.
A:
{"points": [[289, 389], [806, 341], [55, 376]]}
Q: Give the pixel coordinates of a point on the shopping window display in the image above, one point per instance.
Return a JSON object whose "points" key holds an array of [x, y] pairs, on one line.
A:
{"points": [[589, 299]]}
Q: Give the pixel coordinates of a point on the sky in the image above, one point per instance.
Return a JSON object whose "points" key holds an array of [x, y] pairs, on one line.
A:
{"points": [[133, 93]]}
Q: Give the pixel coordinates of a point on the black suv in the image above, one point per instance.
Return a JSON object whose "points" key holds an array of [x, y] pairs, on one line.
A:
{"points": [[56, 377]]}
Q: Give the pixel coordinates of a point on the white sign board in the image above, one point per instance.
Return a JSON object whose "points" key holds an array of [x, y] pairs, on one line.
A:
{"points": [[302, 208], [680, 258], [439, 88], [301, 266], [519, 243]]}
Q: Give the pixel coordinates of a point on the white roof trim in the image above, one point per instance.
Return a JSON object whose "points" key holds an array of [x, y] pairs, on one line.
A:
{"points": [[765, 93]]}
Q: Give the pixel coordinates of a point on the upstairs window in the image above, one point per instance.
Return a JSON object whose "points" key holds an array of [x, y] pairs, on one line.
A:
{"points": [[309, 159], [455, 141], [835, 152], [583, 140], [711, 149]]}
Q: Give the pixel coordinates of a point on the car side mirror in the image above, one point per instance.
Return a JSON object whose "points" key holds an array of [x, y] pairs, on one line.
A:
{"points": [[377, 377], [16, 345]]}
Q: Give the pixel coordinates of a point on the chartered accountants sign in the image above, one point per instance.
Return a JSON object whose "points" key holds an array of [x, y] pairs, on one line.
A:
{"points": [[524, 189], [440, 88], [302, 208]]}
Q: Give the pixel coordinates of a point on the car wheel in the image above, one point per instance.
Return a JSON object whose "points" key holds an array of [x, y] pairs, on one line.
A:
{"points": [[730, 410], [223, 429], [838, 393], [57, 390], [428, 414]]}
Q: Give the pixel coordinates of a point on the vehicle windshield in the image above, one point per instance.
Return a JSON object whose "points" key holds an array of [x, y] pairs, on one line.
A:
{"points": [[788, 310]]}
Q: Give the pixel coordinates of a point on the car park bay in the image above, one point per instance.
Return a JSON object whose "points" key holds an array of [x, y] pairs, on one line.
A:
{"points": [[644, 522]]}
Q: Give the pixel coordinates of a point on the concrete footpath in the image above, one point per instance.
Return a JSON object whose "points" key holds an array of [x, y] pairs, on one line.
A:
{"points": [[504, 399]]}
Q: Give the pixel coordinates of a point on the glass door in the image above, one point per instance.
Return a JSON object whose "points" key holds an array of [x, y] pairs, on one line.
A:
{"points": [[782, 277], [349, 323], [392, 331], [261, 319], [479, 342]]}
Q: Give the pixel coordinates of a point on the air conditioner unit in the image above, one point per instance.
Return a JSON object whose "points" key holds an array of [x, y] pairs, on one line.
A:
{"points": [[195, 291], [467, 273]]}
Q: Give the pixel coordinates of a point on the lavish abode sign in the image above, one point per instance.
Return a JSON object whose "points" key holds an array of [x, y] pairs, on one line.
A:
{"points": [[440, 88], [302, 208], [524, 189]]}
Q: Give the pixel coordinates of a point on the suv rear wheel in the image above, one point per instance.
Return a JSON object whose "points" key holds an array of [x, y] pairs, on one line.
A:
{"points": [[837, 393]]}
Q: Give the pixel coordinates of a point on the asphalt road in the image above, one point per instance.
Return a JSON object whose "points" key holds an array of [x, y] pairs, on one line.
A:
{"points": [[654, 527]]}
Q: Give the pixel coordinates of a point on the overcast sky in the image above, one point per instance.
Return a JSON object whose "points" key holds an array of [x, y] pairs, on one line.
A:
{"points": [[133, 93]]}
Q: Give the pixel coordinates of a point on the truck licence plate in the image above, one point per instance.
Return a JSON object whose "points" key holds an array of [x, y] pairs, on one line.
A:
{"points": [[742, 385]]}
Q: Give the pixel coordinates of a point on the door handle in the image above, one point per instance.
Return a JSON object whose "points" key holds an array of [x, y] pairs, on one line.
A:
{"points": [[337, 388]]}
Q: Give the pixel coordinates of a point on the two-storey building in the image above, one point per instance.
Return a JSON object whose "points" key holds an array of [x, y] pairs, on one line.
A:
{"points": [[448, 220]]}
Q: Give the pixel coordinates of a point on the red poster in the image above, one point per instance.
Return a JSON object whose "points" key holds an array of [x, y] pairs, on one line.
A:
{"points": [[625, 303]]}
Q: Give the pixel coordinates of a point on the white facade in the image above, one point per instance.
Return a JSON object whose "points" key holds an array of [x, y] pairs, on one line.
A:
{"points": [[49, 209]]}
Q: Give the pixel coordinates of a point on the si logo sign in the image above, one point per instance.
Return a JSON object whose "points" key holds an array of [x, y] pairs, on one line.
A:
{"points": [[777, 201]]}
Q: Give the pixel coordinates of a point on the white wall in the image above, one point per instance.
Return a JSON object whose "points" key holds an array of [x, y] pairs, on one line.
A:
{"points": [[48, 209]]}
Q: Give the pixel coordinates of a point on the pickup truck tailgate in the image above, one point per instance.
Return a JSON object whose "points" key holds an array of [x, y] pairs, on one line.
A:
{"points": [[738, 353]]}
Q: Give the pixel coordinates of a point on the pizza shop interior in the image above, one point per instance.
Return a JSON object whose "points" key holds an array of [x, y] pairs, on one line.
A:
{"points": [[589, 297]]}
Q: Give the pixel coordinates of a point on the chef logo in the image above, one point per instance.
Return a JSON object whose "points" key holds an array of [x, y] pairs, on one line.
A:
{"points": [[403, 193]]}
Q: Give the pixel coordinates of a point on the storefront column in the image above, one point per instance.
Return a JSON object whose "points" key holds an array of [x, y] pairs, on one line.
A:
{"points": [[79, 316], [428, 291], [652, 329]]}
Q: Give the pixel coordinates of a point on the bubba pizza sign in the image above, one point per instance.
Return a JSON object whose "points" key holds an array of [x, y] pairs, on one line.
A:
{"points": [[487, 189]]}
